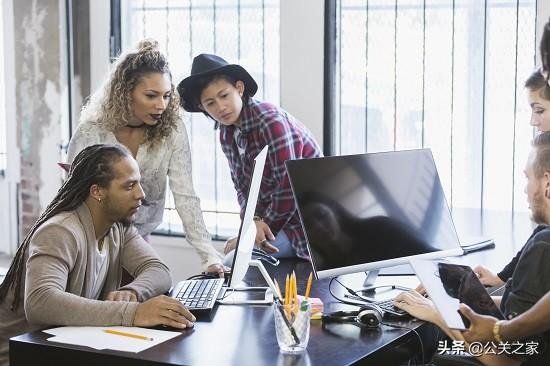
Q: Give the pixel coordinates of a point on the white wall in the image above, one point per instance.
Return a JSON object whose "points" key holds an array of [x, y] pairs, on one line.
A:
{"points": [[180, 257], [302, 60], [100, 17]]}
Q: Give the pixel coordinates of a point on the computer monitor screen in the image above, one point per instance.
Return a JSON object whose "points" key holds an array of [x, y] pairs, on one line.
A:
{"points": [[369, 211], [247, 231]]}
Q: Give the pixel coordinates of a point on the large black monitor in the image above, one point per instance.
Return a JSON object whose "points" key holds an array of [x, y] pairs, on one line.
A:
{"points": [[369, 211]]}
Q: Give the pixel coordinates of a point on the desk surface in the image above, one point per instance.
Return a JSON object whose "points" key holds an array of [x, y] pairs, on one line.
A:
{"points": [[240, 335], [245, 335]]}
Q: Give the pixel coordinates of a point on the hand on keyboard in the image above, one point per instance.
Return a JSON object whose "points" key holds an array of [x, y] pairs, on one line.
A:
{"points": [[163, 310], [389, 308], [217, 269], [198, 295], [418, 306]]}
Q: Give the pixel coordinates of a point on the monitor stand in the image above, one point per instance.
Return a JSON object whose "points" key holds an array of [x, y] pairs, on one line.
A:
{"points": [[269, 291], [369, 286]]}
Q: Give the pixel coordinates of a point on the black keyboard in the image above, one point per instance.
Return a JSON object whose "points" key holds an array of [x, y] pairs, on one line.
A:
{"points": [[390, 309], [199, 296]]}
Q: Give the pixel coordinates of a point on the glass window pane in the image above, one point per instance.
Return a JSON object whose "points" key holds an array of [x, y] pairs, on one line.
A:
{"points": [[244, 32], [442, 74]]}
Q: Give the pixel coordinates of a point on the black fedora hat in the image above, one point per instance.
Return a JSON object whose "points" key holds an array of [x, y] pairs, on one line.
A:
{"points": [[204, 65]]}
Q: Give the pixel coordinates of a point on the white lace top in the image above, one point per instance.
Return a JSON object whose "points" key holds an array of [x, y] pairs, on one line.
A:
{"points": [[170, 158]]}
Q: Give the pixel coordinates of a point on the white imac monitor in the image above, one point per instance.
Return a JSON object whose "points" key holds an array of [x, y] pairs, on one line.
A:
{"points": [[247, 231], [369, 211], [242, 259]]}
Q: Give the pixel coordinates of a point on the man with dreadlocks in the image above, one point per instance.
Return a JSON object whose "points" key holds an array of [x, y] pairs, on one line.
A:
{"points": [[68, 269]]}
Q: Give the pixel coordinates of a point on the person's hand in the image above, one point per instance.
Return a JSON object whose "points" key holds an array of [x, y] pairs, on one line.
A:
{"points": [[263, 235], [230, 244], [418, 306], [163, 310], [481, 326], [123, 295], [217, 269], [421, 290], [486, 277]]}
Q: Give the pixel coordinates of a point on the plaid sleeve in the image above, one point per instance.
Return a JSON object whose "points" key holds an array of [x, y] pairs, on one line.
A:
{"points": [[235, 166], [285, 143]]}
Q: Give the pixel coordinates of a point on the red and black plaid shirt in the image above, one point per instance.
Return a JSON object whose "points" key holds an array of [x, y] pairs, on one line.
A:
{"points": [[264, 124]]}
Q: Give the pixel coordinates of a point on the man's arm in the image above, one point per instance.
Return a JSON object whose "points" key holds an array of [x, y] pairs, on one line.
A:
{"points": [[534, 321], [52, 256], [151, 275], [508, 270]]}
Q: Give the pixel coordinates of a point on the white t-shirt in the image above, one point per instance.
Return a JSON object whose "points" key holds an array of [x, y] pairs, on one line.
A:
{"points": [[100, 268]]}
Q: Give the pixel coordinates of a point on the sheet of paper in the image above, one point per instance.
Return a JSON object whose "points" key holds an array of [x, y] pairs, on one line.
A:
{"points": [[96, 337]]}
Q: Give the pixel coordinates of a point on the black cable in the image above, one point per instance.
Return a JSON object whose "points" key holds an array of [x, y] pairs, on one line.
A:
{"points": [[351, 291], [228, 292], [366, 302], [412, 330], [202, 276]]}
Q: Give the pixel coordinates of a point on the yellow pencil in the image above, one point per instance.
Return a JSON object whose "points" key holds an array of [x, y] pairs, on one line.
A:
{"points": [[287, 285], [308, 287], [126, 334], [294, 293], [292, 287]]}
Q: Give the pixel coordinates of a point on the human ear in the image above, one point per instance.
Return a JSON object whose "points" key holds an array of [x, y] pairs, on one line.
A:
{"points": [[96, 192], [546, 183], [240, 87]]}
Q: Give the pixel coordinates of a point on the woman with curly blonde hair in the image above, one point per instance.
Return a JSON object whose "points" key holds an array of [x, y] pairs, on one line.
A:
{"points": [[137, 107]]}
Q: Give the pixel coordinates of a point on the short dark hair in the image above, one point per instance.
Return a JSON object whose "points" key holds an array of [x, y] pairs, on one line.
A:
{"points": [[203, 82], [93, 165], [541, 144]]}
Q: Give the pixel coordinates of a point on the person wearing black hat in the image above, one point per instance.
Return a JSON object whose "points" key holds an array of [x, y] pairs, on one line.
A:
{"points": [[223, 92]]}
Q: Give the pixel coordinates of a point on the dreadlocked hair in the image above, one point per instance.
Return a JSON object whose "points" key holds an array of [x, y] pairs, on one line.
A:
{"points": [[111, 106], [93, 165]]}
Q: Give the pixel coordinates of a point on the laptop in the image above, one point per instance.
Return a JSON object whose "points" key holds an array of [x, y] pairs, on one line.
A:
{"points": [[448, 285], [200, 296]]}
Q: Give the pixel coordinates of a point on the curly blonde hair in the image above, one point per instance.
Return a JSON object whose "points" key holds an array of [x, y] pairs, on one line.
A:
{"points": [[111, 105]]}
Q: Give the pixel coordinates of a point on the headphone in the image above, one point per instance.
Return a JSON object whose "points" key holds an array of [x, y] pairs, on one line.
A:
{"points": [[366, 316]]}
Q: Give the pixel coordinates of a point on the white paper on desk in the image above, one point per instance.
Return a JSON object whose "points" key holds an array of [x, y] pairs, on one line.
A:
{"points": [[95, 337]]}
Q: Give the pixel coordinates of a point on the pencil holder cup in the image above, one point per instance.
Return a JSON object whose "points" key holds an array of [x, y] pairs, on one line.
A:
{"points": [[292, 326]]}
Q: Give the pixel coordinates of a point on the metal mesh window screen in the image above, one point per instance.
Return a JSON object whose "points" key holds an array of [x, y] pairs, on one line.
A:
{"points": [[244, 32], [443, 74]]}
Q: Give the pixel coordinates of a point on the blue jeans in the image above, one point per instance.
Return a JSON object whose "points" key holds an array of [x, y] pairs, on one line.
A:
{"points": [[281, 241]]}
